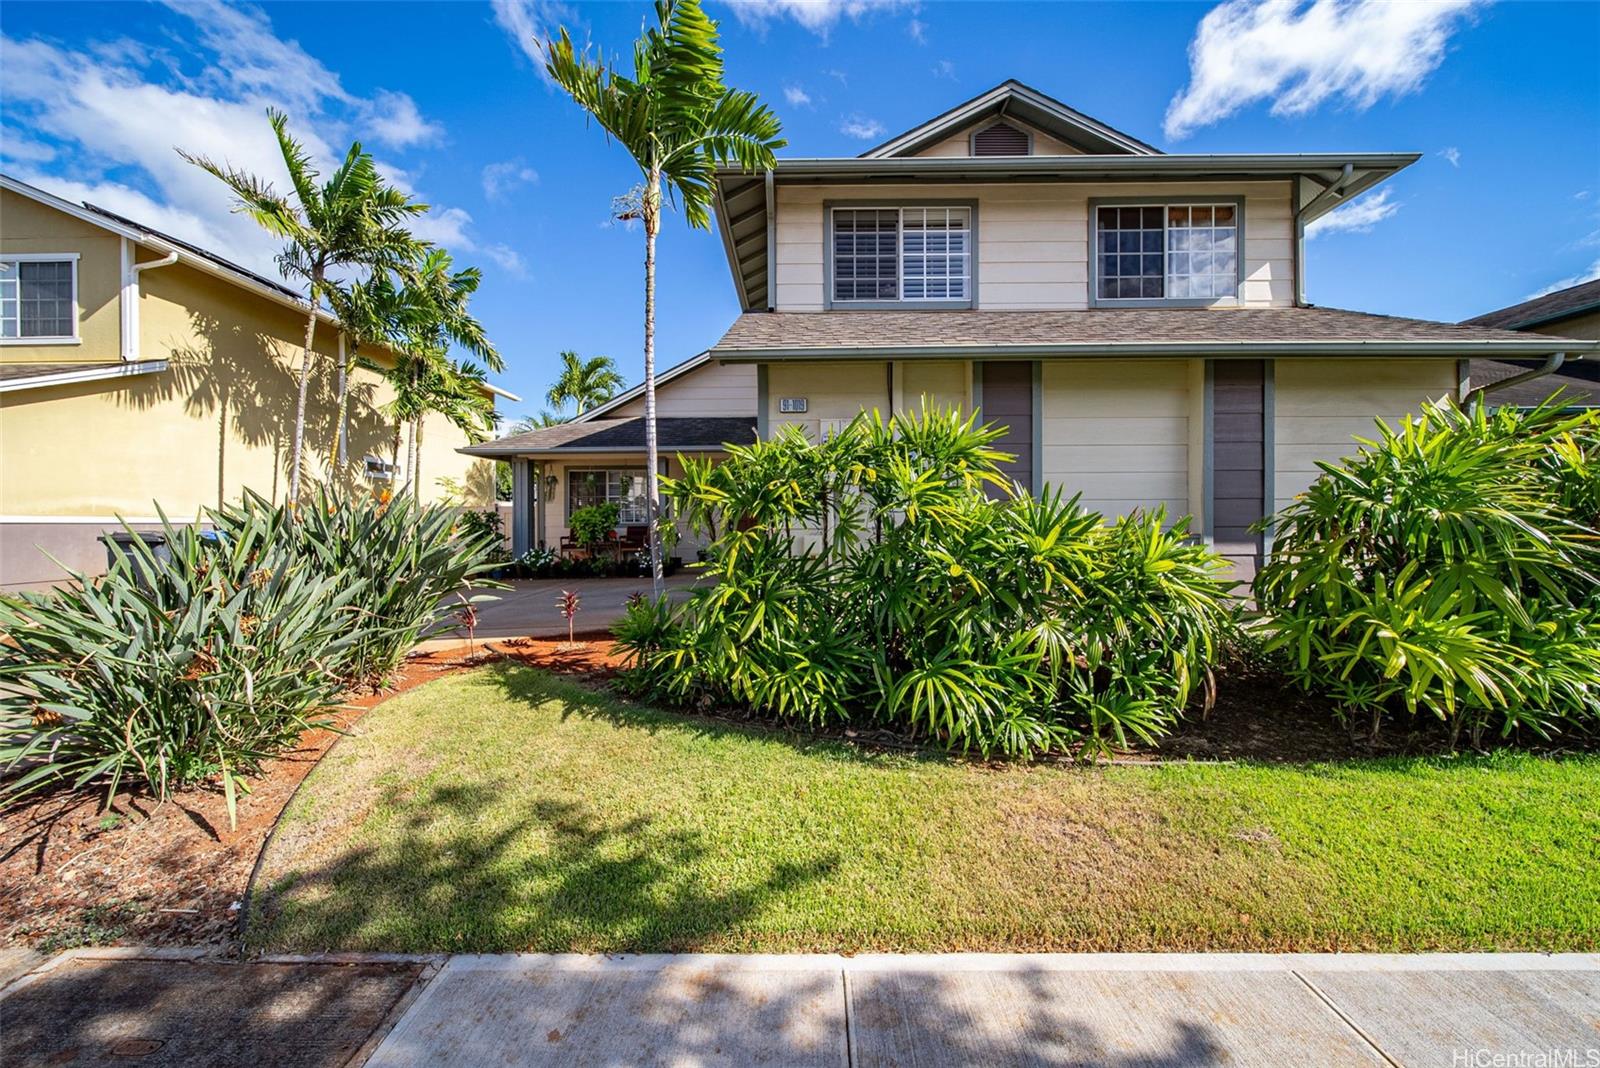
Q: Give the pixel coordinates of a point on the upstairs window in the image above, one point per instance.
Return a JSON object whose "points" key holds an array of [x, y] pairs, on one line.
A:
{"points": [[1166, 252], [910, 255], [38, 299]]}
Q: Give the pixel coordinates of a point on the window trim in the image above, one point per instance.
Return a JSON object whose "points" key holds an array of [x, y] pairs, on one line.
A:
{"points": [[566, 503], [1177, 200], [901, 304], [77, 309]]}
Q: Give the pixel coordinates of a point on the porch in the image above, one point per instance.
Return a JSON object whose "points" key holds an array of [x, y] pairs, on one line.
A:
{"points": [[557, 470]]}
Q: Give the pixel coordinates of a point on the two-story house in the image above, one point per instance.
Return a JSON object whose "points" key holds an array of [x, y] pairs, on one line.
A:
{"points": [[139, 371], [1136, 319]]}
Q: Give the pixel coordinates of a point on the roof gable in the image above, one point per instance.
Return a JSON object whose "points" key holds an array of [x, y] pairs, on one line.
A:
{"points": [[1015, 100]]}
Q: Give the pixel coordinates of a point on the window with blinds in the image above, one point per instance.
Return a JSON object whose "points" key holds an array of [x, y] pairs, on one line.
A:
{"points": [[902, 255]]}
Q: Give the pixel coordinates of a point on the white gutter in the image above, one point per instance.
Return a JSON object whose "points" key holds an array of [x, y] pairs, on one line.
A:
{"points": [[130, 295]]}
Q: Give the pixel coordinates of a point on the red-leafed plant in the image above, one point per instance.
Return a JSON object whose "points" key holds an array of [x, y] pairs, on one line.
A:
{"points": [[569, 603]]}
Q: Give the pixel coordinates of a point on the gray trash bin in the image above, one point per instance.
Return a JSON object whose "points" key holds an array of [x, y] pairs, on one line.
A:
{"points": [[120, 543]]}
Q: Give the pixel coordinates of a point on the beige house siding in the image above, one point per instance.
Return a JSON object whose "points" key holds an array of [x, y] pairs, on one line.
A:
{"points": [[1117, 431], [1321, 406], [835, 392], [29, 227], [1033, 239], [932, 383], [961, 144], [712, 389]]}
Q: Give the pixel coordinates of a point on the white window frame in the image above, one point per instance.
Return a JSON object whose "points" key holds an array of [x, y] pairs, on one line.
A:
{"points": [[900, 207], [77, 310], [608, 470], [1167, 251]]}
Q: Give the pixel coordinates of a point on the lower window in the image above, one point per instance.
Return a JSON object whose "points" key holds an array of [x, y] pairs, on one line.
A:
{"points": [[622, 486]]}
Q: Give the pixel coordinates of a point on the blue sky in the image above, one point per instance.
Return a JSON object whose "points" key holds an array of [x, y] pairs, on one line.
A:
{"points": [[1502, 99]]}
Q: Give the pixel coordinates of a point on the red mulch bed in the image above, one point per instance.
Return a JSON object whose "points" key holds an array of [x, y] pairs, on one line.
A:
{"points": [[173, 874]]}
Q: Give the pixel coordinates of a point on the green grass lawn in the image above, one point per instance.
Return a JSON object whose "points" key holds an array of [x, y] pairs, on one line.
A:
{"points": [[508, 810]]}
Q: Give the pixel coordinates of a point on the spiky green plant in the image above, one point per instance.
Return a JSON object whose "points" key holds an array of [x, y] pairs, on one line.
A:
{"points": [[1449, 569], [891, 575], [165, 674], [407, 560]]}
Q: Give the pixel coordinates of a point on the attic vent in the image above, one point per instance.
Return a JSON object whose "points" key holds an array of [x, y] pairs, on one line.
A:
{"points": [[1001, 139]]}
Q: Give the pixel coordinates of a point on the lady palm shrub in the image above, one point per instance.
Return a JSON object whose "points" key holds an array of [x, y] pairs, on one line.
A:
{"points": [[890, 575], [165, 674], [1449, 569], [406, 559]]}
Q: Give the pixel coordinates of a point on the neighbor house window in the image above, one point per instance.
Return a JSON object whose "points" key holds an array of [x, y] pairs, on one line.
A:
{"points": [[622, 486], [1167, 252], [38, 298], [902, 255]]}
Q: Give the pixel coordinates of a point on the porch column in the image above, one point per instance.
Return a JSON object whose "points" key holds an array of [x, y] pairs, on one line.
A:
{"points": [[522, 506]]}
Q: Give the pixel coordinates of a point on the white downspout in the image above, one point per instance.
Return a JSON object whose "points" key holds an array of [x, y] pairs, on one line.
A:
{"points": [[130, 295]]}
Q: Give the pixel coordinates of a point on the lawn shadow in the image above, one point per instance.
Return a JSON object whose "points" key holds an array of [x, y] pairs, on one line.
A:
{"points": [[534, 685], [449, 874]]}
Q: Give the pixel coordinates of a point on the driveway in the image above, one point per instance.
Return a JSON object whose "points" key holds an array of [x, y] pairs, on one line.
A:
{"points": [[529, 609]]}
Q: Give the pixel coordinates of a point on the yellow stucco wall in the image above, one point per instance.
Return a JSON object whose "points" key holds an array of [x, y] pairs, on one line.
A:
{"points": [[26, 226], [220, 419]]}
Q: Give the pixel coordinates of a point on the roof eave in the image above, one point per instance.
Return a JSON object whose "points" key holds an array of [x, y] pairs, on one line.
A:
{"points": [[1251, 349]]}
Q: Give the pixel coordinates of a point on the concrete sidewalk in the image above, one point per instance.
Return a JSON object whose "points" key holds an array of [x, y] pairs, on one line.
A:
{"points": [[1160, 1010]]}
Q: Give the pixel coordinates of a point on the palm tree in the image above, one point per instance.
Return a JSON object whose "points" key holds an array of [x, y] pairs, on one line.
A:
{"points": [[585, 383], [428, 314], [545, 418], [352, 218], [679, 122], [368, 313]]}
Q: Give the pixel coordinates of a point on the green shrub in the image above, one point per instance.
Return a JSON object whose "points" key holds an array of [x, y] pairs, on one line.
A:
{"points": [[408, 559], [165, 675], [872, 578], [593, 524], [1449, 568]]}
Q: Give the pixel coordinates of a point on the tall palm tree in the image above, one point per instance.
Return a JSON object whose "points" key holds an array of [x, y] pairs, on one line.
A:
{"points": [[679, 122], [369, 312], [353, 218], [585, 383]]}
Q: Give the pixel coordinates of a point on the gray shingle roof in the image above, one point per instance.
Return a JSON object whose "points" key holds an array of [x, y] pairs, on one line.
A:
{"points": [[623, 435], [1574, 300], [1111, 332]]}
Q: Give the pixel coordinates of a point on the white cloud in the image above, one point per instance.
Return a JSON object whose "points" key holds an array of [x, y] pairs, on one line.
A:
{"points": [[1301, 55], [944, 69], [1582, 194], [1589, 275], [818, 16], [840, 76], [116, 111], [796, 96], [1452, 155], [500, 178], [1358, 216], [918, 31], [861, 127], [529, 23]]}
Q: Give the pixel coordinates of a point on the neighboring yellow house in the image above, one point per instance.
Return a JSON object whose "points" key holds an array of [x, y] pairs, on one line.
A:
{"points": [[137, 370]]}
